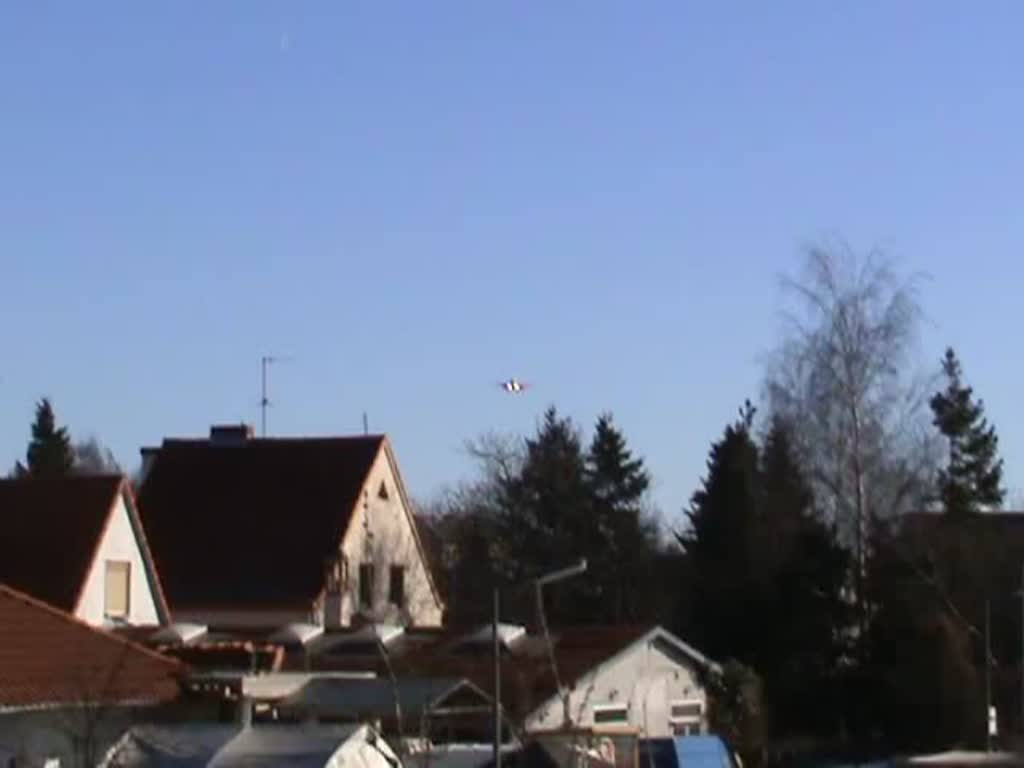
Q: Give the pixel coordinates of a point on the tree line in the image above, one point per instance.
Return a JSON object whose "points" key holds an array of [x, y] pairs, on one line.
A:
{"points": [[52, 453], [835, 556]]}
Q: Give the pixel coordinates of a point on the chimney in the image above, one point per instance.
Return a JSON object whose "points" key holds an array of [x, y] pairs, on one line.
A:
{"points": [[230, 434], [148, 457]]}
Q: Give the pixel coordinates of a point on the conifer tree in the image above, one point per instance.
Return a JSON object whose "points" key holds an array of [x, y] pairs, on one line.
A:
{"points": [[49, 453], [627, 541], [971, 480]]}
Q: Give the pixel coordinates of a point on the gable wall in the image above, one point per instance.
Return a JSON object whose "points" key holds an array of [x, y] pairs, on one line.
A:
{"points": [[647, 678], [381, 533], [118, 543]]}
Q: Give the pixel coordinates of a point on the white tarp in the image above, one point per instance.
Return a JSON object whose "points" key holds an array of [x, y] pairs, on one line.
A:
{"points": [[201, 745]]}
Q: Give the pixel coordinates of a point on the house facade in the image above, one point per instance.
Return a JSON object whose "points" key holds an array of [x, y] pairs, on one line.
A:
{"points": [[77, 543], [254, 533], [651, 687], [382, 572]]}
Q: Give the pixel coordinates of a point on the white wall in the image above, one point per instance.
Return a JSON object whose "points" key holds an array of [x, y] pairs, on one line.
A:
{"points": [[118, 543], [647, 678], [381, 532]]}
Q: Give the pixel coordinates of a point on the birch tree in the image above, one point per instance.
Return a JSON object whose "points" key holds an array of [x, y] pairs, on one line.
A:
{"points": [[845, 375]]}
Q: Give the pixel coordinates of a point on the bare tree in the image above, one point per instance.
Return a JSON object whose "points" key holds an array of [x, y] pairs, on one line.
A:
{"points": [[845, 376], [94, 458]]}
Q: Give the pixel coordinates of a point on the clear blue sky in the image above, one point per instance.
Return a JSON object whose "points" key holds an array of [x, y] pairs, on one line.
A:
{"points": [[415, 200]]}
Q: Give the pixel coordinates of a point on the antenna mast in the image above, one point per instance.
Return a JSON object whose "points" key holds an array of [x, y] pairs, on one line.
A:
{"points": [[265, 361]]}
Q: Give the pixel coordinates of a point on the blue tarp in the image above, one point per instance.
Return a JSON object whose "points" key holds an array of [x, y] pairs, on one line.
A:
{"points": [[684, 752]]}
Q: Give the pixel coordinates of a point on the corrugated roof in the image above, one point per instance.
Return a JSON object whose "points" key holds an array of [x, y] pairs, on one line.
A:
{"points": [[48, 657], [206, 744], [251, 522], [333, 697], [51, 530]]}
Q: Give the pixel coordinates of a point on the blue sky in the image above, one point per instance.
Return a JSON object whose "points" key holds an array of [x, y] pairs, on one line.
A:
{"points": [[415, 200]]}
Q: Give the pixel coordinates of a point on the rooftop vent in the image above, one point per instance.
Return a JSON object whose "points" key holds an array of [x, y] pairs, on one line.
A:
{"points": [[230, 434], [385, 633], [297, 634], [507, 635], [181, 633]]}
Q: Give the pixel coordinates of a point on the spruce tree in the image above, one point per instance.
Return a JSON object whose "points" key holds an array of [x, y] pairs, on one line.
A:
{"points": [[718, 544], [972, 477], [802, 571], [546, 521], [49, 453], [624, 551]]}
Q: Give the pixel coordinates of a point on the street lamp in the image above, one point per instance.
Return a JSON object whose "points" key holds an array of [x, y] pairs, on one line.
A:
{"points": [[539, 584], [551, 578]]}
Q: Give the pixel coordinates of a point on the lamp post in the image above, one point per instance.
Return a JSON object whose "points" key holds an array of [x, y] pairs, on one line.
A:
{"points": [[551, 578], [988, 676], [989, 720], [539, 584]]}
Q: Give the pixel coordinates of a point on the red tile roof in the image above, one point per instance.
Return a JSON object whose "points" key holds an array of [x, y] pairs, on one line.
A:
{"points": [[48, 657], [253, 521], [51, 531]]}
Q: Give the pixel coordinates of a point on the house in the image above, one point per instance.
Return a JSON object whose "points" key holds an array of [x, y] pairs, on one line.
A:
{"points": [[650, 684], [639, 678], [238, 746], [68, 690], [77, 543], [258, 532]]}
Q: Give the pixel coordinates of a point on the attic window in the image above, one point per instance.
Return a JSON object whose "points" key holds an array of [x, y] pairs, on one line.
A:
{"points": [[382, 492], [116, 589], [686, 711]]}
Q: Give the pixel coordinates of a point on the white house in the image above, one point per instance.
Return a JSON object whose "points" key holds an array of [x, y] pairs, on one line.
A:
{"points": [[77, 544], [651, 686], [256, 532]]}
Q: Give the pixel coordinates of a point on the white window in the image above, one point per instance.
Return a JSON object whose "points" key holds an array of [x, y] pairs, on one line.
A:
{"points": [[117, 591], [686, 715], [606, 714]]}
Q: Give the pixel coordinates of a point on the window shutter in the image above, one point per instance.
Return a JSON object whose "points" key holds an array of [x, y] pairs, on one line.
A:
{"points": [[366, 585], [117, 588], [396, 593]]}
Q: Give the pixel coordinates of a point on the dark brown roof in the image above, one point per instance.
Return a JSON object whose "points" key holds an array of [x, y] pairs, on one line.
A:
{"points": [[48, 657], [51, 530], [253, 521]]}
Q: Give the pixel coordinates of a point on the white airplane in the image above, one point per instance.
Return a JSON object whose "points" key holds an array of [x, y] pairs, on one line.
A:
{"points": [[514, 386]]}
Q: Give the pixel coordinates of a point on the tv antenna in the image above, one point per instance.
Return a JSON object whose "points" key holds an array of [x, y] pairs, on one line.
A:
{"points": [[265, 362]]}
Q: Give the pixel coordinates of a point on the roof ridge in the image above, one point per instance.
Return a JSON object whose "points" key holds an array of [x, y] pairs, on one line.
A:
{"points": [[372, 437], [67, 618], [92, 477]]}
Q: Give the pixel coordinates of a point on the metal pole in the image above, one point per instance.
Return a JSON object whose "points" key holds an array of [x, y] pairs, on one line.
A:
{"points": [[1022, 648], [988, 676], [263, 396], [497, 682]]}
